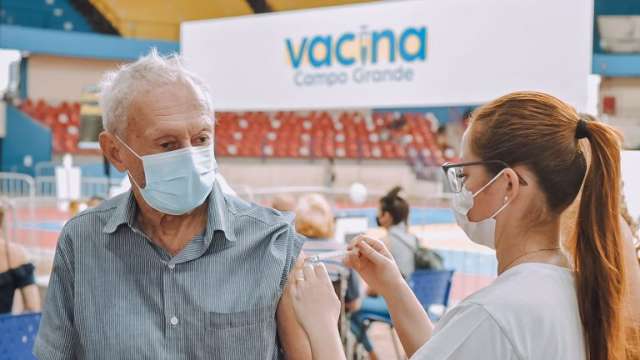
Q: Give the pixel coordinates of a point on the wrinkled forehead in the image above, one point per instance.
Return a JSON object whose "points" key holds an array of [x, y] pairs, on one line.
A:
{"points": [[173, 108]]}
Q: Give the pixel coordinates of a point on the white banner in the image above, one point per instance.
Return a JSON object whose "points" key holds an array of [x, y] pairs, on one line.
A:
{"points": [[394, 54]]}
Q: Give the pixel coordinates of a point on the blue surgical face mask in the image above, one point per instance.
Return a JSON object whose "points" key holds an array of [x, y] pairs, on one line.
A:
{"points": [[178, 181]]}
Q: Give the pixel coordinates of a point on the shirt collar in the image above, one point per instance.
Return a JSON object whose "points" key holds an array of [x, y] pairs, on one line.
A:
{"points": [[399, 227], [218, 218], [124, 213]]}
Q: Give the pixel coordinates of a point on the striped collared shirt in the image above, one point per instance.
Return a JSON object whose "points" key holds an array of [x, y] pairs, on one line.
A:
{"points": [[113, 294]]}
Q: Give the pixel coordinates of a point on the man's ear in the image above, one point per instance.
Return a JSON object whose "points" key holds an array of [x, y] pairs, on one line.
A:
{"points": [[111, 150]]}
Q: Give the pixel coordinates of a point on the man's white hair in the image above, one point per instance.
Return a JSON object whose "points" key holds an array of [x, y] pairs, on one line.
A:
{"points": [[118, 88]]}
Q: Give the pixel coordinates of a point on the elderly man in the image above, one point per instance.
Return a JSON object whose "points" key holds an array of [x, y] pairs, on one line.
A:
{"points": [[174, 268]]}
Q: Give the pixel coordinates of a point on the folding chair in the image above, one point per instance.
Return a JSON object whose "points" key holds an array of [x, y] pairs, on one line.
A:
{"points": [[18, 335]]}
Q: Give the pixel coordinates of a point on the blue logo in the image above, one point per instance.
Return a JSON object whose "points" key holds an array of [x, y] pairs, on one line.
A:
{"points": [[363, 48]]}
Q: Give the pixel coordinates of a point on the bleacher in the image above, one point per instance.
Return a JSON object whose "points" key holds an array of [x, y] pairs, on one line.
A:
{"points": [[63, 120], [48, 14], [294, 135], [347, 135]]}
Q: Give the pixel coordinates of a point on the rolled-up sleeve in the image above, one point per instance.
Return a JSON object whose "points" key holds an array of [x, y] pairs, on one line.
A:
{"points": [[57, 337], [293, 245]]}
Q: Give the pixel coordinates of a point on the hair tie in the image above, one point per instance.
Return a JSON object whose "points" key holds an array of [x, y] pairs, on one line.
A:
{"points": [[581, 129]]}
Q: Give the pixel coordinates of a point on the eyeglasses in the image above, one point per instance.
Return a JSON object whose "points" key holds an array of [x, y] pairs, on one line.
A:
{"points": [[456, 177]]}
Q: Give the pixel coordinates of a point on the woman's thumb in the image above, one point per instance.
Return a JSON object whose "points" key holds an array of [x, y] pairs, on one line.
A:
{"points": [[370, 253]]}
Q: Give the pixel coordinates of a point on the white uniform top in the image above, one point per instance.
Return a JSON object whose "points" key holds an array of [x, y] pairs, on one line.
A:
{"points": [[529, 312]]}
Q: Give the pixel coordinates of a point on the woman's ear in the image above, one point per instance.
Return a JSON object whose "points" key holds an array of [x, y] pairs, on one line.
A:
{"points": [[513, 185]]}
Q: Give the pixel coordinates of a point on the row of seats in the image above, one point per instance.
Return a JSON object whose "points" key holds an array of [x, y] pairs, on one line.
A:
{"points": [[63, 120], [47, 14], [353, 135], [314, 134]]}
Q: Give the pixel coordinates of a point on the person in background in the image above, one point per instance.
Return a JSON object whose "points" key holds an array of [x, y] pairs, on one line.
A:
{"points": [[17, 280], [522, 169], [315, 220], [74, 208], [393, 215], [284, 203], [95, 201]]}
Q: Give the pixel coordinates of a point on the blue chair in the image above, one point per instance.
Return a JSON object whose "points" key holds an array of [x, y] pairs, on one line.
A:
{"points": [[431, 287], [18, 335]]}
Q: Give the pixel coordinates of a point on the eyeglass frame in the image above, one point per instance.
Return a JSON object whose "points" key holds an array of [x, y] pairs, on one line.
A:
{"points": [[446, 166]]}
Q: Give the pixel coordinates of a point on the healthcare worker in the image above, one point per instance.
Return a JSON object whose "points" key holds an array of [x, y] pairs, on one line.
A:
{"points": [[521, 168]]}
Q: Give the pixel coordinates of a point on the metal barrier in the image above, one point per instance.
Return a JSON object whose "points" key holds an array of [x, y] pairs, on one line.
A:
{"points": [[97, 186], [45, 168], [90, 186], [13, 185], [46, 186]]}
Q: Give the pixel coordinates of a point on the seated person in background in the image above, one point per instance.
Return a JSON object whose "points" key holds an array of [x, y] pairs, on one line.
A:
{"points": [[16, 274], [95, 201], [315, 220], [284, 202], [393, 215]]}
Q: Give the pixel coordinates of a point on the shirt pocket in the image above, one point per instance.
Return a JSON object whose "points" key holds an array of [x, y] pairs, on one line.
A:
{"points": [[248, 334]]}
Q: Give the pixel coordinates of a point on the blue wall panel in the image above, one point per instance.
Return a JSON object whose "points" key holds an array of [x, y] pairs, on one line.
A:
{"points": [[24, 137], [75, 44]]}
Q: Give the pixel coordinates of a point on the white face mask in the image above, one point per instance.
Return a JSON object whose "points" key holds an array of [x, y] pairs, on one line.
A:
{"points": [[482, 232], [176, 182]]}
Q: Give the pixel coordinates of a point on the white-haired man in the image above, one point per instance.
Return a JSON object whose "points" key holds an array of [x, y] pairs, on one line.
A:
{"points": [[174, 268]]}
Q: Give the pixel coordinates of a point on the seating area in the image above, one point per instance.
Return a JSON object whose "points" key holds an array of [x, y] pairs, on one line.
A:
{"points": [[18, 335], [348, 135], [63, 120], [47, 14], [294, 135]]}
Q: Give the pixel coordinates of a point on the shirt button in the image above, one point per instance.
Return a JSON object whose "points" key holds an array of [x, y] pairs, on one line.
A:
{"points": [[174, 321], [171, 266]]}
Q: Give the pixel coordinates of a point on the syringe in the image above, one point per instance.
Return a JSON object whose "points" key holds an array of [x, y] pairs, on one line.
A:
{"points": [[326, 255]]}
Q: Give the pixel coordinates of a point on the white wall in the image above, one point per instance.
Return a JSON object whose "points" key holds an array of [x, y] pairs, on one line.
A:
{"points": [[378, 175], [56, 79], [626, 92]]}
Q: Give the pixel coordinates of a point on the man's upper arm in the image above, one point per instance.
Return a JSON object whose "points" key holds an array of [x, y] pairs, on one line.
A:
{"points": [[57, 337], [292, 337]]}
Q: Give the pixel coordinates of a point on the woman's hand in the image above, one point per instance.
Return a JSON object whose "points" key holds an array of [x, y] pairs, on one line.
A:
{"points": [[315, 301], [373, 261]]}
